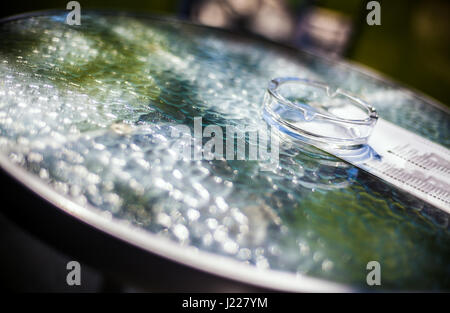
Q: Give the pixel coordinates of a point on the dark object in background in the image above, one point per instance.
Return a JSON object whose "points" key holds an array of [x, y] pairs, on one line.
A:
{"points": [[307, 25]]}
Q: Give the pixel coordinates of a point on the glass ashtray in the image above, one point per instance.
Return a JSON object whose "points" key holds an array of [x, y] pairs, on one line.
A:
{"points": [[314, 113]]}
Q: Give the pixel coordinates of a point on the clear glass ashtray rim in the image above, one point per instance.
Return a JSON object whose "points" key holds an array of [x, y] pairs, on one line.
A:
{"points": [[273, 94], [275, 83]]}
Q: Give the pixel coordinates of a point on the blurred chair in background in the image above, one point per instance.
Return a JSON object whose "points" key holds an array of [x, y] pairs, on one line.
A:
{"points": [[300, 23]]}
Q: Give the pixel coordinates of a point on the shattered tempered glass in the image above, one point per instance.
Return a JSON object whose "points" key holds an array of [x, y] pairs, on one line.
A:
{"points": [[90, 110]]}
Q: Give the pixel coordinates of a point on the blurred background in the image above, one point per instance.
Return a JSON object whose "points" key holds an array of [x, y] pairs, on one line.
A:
{"points": [[412, 44]]}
